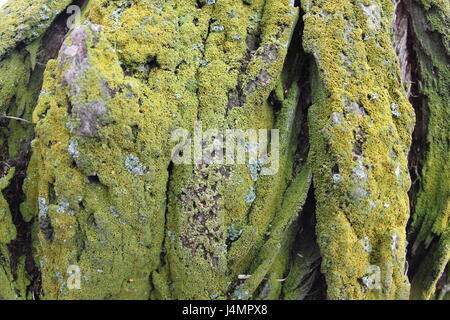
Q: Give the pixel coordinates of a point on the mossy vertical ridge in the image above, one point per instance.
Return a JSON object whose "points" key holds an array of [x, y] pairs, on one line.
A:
{"points": [[359, 148]]}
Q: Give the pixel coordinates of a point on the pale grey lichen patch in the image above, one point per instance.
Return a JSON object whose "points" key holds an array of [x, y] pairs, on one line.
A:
{"points": [[397, 171], [358, 193], [336, 118], [134, 166], [43, 207], [203, 62], [240, 293], [366, 243], [372, 280], [367, 281], [233, 233], [73, 148], [373, 96], [63, 205], [374, 16], [395, 112], [360, 171], [336, 178], [232, 14], [251, 195], [70, 126], [395, 239], [251, 147], [171, 235], [218, 28], [114, 212], [44, 219], [255, 170], [116, 16]]}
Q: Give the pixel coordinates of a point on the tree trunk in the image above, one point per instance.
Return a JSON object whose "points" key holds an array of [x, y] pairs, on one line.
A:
{"points": [[352, 203]]}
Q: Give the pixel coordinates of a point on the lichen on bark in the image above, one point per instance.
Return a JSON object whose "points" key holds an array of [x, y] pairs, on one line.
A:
{"points": [[87, 147], [429, 26], [359, 149]]}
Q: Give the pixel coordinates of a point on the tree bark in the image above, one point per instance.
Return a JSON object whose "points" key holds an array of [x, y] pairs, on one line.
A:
{"points": [[358, 206]]}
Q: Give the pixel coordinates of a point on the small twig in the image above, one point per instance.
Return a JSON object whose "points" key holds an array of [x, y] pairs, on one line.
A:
{"points": [[247, 276], [15, 118]]}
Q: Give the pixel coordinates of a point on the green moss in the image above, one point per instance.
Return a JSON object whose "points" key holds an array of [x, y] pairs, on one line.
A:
{"points": [[102, 150], [300, 278], [107, 96], [19, 89], [104, 218], [361, 189], [13, 283], [20, 84], [7, 228], [431, 217], [205, 199], [8, 233], [431, 269], [141, 227], [270, 261], [24, 22]]}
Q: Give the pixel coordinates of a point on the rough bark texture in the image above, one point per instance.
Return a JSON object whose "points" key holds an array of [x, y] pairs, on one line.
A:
{"points": [[359, 207]]}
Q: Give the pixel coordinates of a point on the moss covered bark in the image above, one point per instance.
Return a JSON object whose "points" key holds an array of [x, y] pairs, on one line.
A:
{"points": [[87, 163], [430, 27], [359, 147]]}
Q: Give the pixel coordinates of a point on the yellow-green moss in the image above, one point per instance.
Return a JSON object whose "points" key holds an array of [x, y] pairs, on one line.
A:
{"points": [[11, 288], [103, 216], [103, 194], [24, 21], [110, 219], [7, 228], [358, 148], [430, 224], [205, 201]]}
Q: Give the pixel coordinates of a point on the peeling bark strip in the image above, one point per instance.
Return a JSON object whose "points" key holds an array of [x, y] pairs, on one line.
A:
{"points": [[101, 195]]}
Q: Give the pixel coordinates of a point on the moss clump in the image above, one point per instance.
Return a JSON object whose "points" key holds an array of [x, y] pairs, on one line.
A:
{"points": [[105, 212], [13, 283], [7, 228], [23, 22], [358, 149], [235, 74], [430, 226], [103, 172], [103, 193]]}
